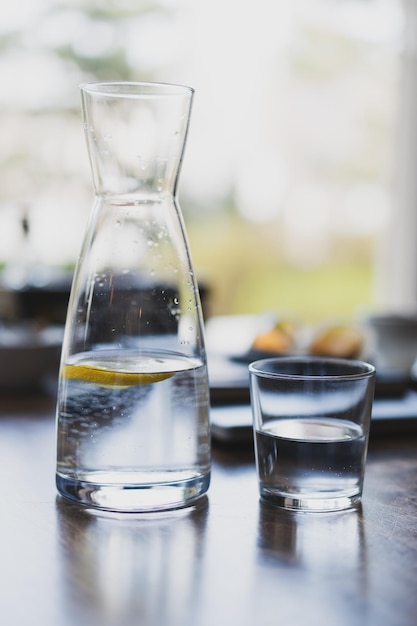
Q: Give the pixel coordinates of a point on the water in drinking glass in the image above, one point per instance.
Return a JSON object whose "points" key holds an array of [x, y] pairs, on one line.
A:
{"points": [[311, 458], [311, 421]]}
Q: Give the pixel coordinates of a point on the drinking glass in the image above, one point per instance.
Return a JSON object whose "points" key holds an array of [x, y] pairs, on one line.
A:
{"points": [[311, 422]]}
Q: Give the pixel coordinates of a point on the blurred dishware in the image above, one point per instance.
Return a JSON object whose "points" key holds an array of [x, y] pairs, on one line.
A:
{"points": [[29, 355], [393, 342], [44, 301], [311, 421]]}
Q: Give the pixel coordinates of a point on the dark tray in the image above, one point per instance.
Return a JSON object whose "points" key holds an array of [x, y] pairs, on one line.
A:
{"points": [[394, 409]]}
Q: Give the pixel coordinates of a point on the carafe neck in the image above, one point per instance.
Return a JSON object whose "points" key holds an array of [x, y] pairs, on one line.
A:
{"points": [[136, 135]]}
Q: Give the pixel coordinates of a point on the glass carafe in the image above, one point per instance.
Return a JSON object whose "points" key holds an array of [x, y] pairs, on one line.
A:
{"points": [[133, 401]]}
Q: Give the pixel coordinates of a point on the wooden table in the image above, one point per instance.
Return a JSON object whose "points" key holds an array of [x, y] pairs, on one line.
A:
{"points": [[231, 561]]}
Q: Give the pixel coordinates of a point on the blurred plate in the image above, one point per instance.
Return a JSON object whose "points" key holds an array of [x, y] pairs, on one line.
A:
{"points": [[229, 380], [229, 340]]}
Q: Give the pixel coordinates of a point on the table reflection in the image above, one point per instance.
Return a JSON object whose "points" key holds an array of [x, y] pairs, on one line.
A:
{"points": [[298, 537], [317, 559], [132, 569]]}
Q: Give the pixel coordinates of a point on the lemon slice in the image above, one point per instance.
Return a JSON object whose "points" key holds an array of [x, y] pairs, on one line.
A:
{"points": [[111, 378]]}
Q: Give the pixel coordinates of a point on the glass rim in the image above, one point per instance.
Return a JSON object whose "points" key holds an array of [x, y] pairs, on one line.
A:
{"points": [[355, 369], [134, 89]]}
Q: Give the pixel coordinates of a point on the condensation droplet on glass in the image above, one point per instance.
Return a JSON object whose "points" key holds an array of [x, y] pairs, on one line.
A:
{"points": [[176, 300]]}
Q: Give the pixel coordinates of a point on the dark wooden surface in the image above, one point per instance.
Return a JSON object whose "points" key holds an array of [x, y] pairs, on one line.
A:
{"points": [[231, 561]]}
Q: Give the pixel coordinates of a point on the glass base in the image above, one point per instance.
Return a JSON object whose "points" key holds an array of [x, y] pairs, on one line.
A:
{"points": [[134, 498], [306, 502]]}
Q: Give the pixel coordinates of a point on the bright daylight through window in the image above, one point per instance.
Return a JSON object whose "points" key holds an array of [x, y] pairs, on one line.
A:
{"points": [[288, 188]]}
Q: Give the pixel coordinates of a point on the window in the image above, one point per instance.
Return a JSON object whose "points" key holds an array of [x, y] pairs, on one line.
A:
{"points": [[297, 184]]}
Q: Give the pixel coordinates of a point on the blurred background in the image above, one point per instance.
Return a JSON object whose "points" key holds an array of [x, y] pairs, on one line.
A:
{"points": [[298, 186]]}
